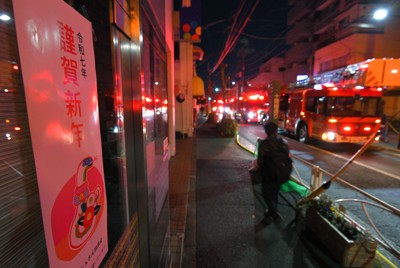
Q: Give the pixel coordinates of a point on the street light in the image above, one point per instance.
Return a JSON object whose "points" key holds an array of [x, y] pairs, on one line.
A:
{"points": [[380, 14], [5, 17]]}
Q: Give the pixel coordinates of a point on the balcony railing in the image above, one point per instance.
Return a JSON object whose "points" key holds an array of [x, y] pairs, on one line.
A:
{"points": [[326, 19], [323, 4], [301, 30], [358, 27], [298, 53], [299, 10]]}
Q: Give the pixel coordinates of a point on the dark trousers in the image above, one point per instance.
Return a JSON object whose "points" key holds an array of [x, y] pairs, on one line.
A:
{"points": [[270, 193]]}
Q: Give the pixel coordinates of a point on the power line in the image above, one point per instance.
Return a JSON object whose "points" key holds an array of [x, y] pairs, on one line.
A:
{"points": [[263, 38], [214, 23], [231, 41]]}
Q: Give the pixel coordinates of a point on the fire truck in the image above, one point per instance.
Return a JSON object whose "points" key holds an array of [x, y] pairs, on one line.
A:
{"points": [[342, 106], [252, 106]]}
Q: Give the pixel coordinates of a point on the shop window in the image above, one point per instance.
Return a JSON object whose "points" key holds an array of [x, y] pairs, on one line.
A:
{"points": [[22, 240], [155, 95]]}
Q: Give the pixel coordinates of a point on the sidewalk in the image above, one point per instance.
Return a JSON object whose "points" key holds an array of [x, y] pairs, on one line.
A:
{"points": [[216, 212], [221, 223], [180, 170]]}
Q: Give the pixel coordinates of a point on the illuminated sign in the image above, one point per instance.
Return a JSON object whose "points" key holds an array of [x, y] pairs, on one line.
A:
{"points": [[190, 21]]}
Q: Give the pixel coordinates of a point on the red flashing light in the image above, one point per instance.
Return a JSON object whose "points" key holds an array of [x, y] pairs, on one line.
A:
{"points": [[329, 85], [347, 128], [15, 67], [254, 97]]}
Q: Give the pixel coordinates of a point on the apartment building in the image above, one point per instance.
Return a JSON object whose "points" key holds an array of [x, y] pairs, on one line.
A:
{"points": [[325, 35]]}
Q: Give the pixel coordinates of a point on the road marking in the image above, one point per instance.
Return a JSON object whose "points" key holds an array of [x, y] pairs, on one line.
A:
{"points": [[356, 162], [359, 163]]}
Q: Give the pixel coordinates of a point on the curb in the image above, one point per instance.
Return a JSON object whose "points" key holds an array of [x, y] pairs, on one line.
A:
{"points": [[379, 257], [388, 148], [242, 145]]}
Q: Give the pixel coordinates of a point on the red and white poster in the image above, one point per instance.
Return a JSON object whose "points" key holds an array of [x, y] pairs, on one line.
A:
{"points": [[58, 68]]}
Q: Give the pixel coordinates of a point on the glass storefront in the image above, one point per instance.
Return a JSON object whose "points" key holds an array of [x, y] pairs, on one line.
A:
{"points": [[135, 153], [155, 118], [22, 241]]}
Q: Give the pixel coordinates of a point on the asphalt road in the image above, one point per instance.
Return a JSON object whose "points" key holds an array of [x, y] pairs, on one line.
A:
{"points": [[376, 173]]}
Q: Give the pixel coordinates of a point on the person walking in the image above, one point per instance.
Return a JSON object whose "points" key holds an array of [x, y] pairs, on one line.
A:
{"points": [[384, 128], [269, 150]]}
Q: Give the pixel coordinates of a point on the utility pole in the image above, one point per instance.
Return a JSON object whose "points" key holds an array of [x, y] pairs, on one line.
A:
{"points": [[223, 80], [242, 55]]}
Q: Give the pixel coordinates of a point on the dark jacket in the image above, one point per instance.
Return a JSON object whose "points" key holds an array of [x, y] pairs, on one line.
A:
{"points": [[265, 148]]}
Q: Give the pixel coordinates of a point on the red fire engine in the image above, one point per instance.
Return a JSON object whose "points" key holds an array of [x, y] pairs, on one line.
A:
{"points": [[348, 110], [252, 106]]}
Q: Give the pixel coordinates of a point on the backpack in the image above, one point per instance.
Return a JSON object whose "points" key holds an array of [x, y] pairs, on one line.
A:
{"points": [[279, 164]]}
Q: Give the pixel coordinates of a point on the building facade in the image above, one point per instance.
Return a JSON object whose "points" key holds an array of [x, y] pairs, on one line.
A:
{"points": [[327, 35]]}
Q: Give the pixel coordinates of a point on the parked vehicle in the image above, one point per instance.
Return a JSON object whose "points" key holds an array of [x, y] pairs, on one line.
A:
{"points": [[252, 107], [333, 114], [343, 106]]}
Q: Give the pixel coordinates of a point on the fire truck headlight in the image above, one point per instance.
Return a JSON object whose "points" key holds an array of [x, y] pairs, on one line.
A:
{"points": [[330, 136], [250, 115], [367, 129]]}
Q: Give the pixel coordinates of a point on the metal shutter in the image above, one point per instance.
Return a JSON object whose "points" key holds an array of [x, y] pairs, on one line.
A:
{"points": [[22, 242]]}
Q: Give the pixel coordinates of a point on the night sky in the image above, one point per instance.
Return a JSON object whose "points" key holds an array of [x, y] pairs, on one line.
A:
{"points": [[261, 39]]}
